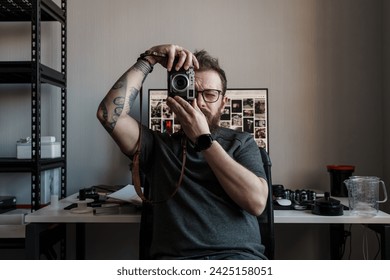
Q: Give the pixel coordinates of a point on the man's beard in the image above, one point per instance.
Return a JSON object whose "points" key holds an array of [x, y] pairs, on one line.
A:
{"points": [[213, 121]]}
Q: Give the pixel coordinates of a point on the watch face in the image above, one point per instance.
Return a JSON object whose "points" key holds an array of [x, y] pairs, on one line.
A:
{"points": [[204, 142]]}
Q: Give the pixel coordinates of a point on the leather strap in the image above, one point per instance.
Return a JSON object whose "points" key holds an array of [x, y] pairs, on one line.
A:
{"points": [[135, 169]]}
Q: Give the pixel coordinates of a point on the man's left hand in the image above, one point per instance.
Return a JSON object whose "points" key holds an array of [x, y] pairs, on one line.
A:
{"points": [[192, 120]]}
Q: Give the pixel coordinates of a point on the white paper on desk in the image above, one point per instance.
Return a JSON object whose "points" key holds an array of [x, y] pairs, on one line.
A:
{"points": [[127, 193]]}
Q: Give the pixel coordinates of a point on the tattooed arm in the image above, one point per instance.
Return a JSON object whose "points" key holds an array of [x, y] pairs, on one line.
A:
{"points": [[114, 110]]}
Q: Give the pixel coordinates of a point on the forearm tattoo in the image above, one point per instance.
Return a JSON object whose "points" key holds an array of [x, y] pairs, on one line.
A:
{"points": [[121, 99], [132, 96], [144, 66], [104, 120], [117, 106]]}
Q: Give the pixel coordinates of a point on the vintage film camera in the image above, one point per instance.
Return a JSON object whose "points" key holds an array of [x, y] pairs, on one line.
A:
{"points": [[182, 83]]}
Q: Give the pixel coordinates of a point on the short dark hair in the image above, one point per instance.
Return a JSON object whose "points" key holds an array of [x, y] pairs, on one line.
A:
{"points": [[207, 62]]}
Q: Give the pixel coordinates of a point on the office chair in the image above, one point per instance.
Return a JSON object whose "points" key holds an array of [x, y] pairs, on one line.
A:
{"points": [[146, 224], [266, 219]]}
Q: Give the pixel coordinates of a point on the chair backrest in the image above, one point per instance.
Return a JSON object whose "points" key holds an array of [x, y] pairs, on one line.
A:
{"points": [[266, 219], [146, 225]]}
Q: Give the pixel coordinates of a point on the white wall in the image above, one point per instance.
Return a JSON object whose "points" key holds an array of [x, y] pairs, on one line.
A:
{"points": [[320, 60]]}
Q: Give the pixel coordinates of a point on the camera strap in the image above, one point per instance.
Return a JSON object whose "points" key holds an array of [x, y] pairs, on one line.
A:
{"points": [[135, 167]]}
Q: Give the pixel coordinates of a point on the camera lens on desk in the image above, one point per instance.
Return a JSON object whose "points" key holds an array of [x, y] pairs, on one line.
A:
{"points": [[312, 195], [292, 196], [287, 194], [278, 191], [303, 196]]}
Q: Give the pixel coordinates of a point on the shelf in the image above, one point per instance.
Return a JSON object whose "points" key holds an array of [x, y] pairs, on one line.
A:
{"points": [[21, 10], [20, 72], [34, 73], [27, 165]]}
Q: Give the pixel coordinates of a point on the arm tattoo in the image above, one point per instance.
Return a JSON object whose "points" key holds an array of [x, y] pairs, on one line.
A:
{"points": [[118, 101], [121, 99], [140, 65], [119, 84], [120, 105], [144, 66], [104, 120], [132, 96]]}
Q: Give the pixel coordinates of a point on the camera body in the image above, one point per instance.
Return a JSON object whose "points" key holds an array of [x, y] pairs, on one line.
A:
{"points": [[182, 83]]}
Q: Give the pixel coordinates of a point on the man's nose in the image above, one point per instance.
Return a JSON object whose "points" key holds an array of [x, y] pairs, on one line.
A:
{"points": [[199, 99]]}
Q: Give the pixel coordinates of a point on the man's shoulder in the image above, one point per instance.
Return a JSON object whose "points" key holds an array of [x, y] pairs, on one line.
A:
{"points": [[232, 134], [232, 139]]}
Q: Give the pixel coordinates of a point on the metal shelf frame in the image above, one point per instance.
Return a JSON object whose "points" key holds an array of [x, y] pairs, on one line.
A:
{"points": [[34, 73], [22, 10]]}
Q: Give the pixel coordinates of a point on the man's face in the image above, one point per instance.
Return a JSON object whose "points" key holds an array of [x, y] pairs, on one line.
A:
{"points": [[210, 80]]}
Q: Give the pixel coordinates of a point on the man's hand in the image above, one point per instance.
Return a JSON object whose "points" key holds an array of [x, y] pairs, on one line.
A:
{"points": [[192, 120], [168, 53]]}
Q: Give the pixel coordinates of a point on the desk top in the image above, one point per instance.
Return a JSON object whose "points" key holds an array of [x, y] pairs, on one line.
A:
{"points": [[306, 217], [57, 214], [50, 214], [300, 217]]}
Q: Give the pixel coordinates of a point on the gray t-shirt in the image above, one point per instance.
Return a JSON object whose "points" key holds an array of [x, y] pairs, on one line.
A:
{"points": [[200, 219]]}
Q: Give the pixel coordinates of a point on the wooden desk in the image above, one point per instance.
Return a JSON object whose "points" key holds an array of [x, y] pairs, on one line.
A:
{"points": [[39, 220]]}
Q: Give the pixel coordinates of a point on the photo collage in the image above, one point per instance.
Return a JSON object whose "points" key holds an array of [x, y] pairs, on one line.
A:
{"points": [[246, 110]]}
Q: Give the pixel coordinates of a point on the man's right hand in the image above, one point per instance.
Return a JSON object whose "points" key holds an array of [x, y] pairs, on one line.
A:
{"points": [[168, 53]]}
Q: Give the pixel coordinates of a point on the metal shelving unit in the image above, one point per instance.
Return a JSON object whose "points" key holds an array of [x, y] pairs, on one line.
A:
{"points": [[35, 73]]}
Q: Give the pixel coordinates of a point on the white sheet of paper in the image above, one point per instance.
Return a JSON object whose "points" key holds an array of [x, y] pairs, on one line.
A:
{"points": [[127, 193]]}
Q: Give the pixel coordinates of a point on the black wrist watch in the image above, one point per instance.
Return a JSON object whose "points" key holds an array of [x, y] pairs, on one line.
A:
{"points": [[203, 142]]}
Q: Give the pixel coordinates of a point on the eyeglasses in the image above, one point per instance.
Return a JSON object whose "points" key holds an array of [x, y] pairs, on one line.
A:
{"points": [[210, 95]]}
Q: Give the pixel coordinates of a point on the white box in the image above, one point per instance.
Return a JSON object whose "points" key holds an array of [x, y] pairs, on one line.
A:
{"points": [[48, 150]]}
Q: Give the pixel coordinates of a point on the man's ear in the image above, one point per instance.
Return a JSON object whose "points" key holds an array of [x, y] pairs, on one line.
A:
{"points": [[225, 100]]}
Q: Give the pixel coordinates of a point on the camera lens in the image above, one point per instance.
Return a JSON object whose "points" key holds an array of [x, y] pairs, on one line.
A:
{"points": [[180, 82]]}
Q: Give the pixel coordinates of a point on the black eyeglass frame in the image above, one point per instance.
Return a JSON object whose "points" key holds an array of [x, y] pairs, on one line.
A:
{"points": [[208, 89]]}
